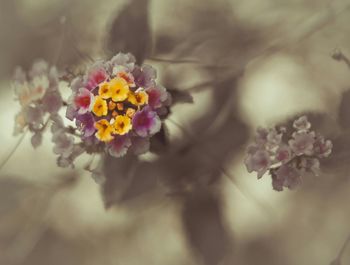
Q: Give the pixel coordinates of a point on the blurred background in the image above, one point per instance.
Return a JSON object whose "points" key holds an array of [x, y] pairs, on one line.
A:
{"points": [[232, 65]]}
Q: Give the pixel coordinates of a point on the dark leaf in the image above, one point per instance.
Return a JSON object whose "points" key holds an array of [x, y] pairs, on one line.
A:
{"points": [[179, 96], [203, 223], [130, 31], [344, 110], [127, 178]]}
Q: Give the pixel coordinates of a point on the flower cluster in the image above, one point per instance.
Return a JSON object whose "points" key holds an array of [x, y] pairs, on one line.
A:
{"points": [[287, 157], [39, 97], [117, 105]]}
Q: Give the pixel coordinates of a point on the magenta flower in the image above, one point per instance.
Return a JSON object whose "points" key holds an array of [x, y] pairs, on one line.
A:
{"points": [[96, 75], [85, 123], [119, 146], [146, 123], [157, 97], [83, 100]]}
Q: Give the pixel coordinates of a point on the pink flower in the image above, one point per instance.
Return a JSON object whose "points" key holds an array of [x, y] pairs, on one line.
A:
{"points": [[302, 124], [258, 162], [283, 154], [157, 96], [83, 100], [119, 146], [302, 143], [322, 147], [96, 76]]}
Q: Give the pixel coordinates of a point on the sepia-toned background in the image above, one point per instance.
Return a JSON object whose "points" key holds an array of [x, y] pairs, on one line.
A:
{"points": [[246, 63]]}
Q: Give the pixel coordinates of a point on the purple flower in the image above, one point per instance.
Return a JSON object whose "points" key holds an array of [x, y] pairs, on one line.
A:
{"points": [[258, 162], [302, 143], [146, 122], [288, 175], [157, 97], [144, 76], [85, 123], [119, 146], [302, 124], [283, 154]]}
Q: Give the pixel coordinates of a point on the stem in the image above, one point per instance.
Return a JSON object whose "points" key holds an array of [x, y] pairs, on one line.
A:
{"points": [[339, 56], [7, 158], [342, 250]]}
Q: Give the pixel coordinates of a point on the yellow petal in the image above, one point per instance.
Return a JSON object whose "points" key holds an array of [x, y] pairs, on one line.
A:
{"points": [[119, 89], [139, 98], [104, 91], [104, 130], [122, 124], [100, 107]]}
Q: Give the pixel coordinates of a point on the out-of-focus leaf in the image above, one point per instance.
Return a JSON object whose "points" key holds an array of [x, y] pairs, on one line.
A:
{"points": [[344, 110], [160, 141], [204, 227], [130, 31], [127, 178], [179, 96]]}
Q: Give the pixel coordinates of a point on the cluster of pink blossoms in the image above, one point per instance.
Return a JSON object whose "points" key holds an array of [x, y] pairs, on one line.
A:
{"points": [[287, 157], [39, 97]]}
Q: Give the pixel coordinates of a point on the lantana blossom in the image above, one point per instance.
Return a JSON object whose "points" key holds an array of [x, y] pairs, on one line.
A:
{"points": [[287, 158], [117, 105]]}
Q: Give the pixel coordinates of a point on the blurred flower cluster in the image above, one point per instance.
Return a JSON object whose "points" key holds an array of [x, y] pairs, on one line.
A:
{"points": [[116, 106], [287, 157], [39, 98]]}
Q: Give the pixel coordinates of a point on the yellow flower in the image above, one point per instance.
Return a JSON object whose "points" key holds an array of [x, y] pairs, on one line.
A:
{"points": [[105, 91], [104, 130], [130, 112], [119, 89], [100, 107], [139, 98], [122, 124]]}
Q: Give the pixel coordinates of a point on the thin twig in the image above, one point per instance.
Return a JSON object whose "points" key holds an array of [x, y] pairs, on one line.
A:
{"points": [[341, 252], [7, 158]]}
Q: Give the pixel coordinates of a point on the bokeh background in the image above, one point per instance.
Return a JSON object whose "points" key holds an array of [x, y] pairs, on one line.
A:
{"points": [[233, 65]]}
